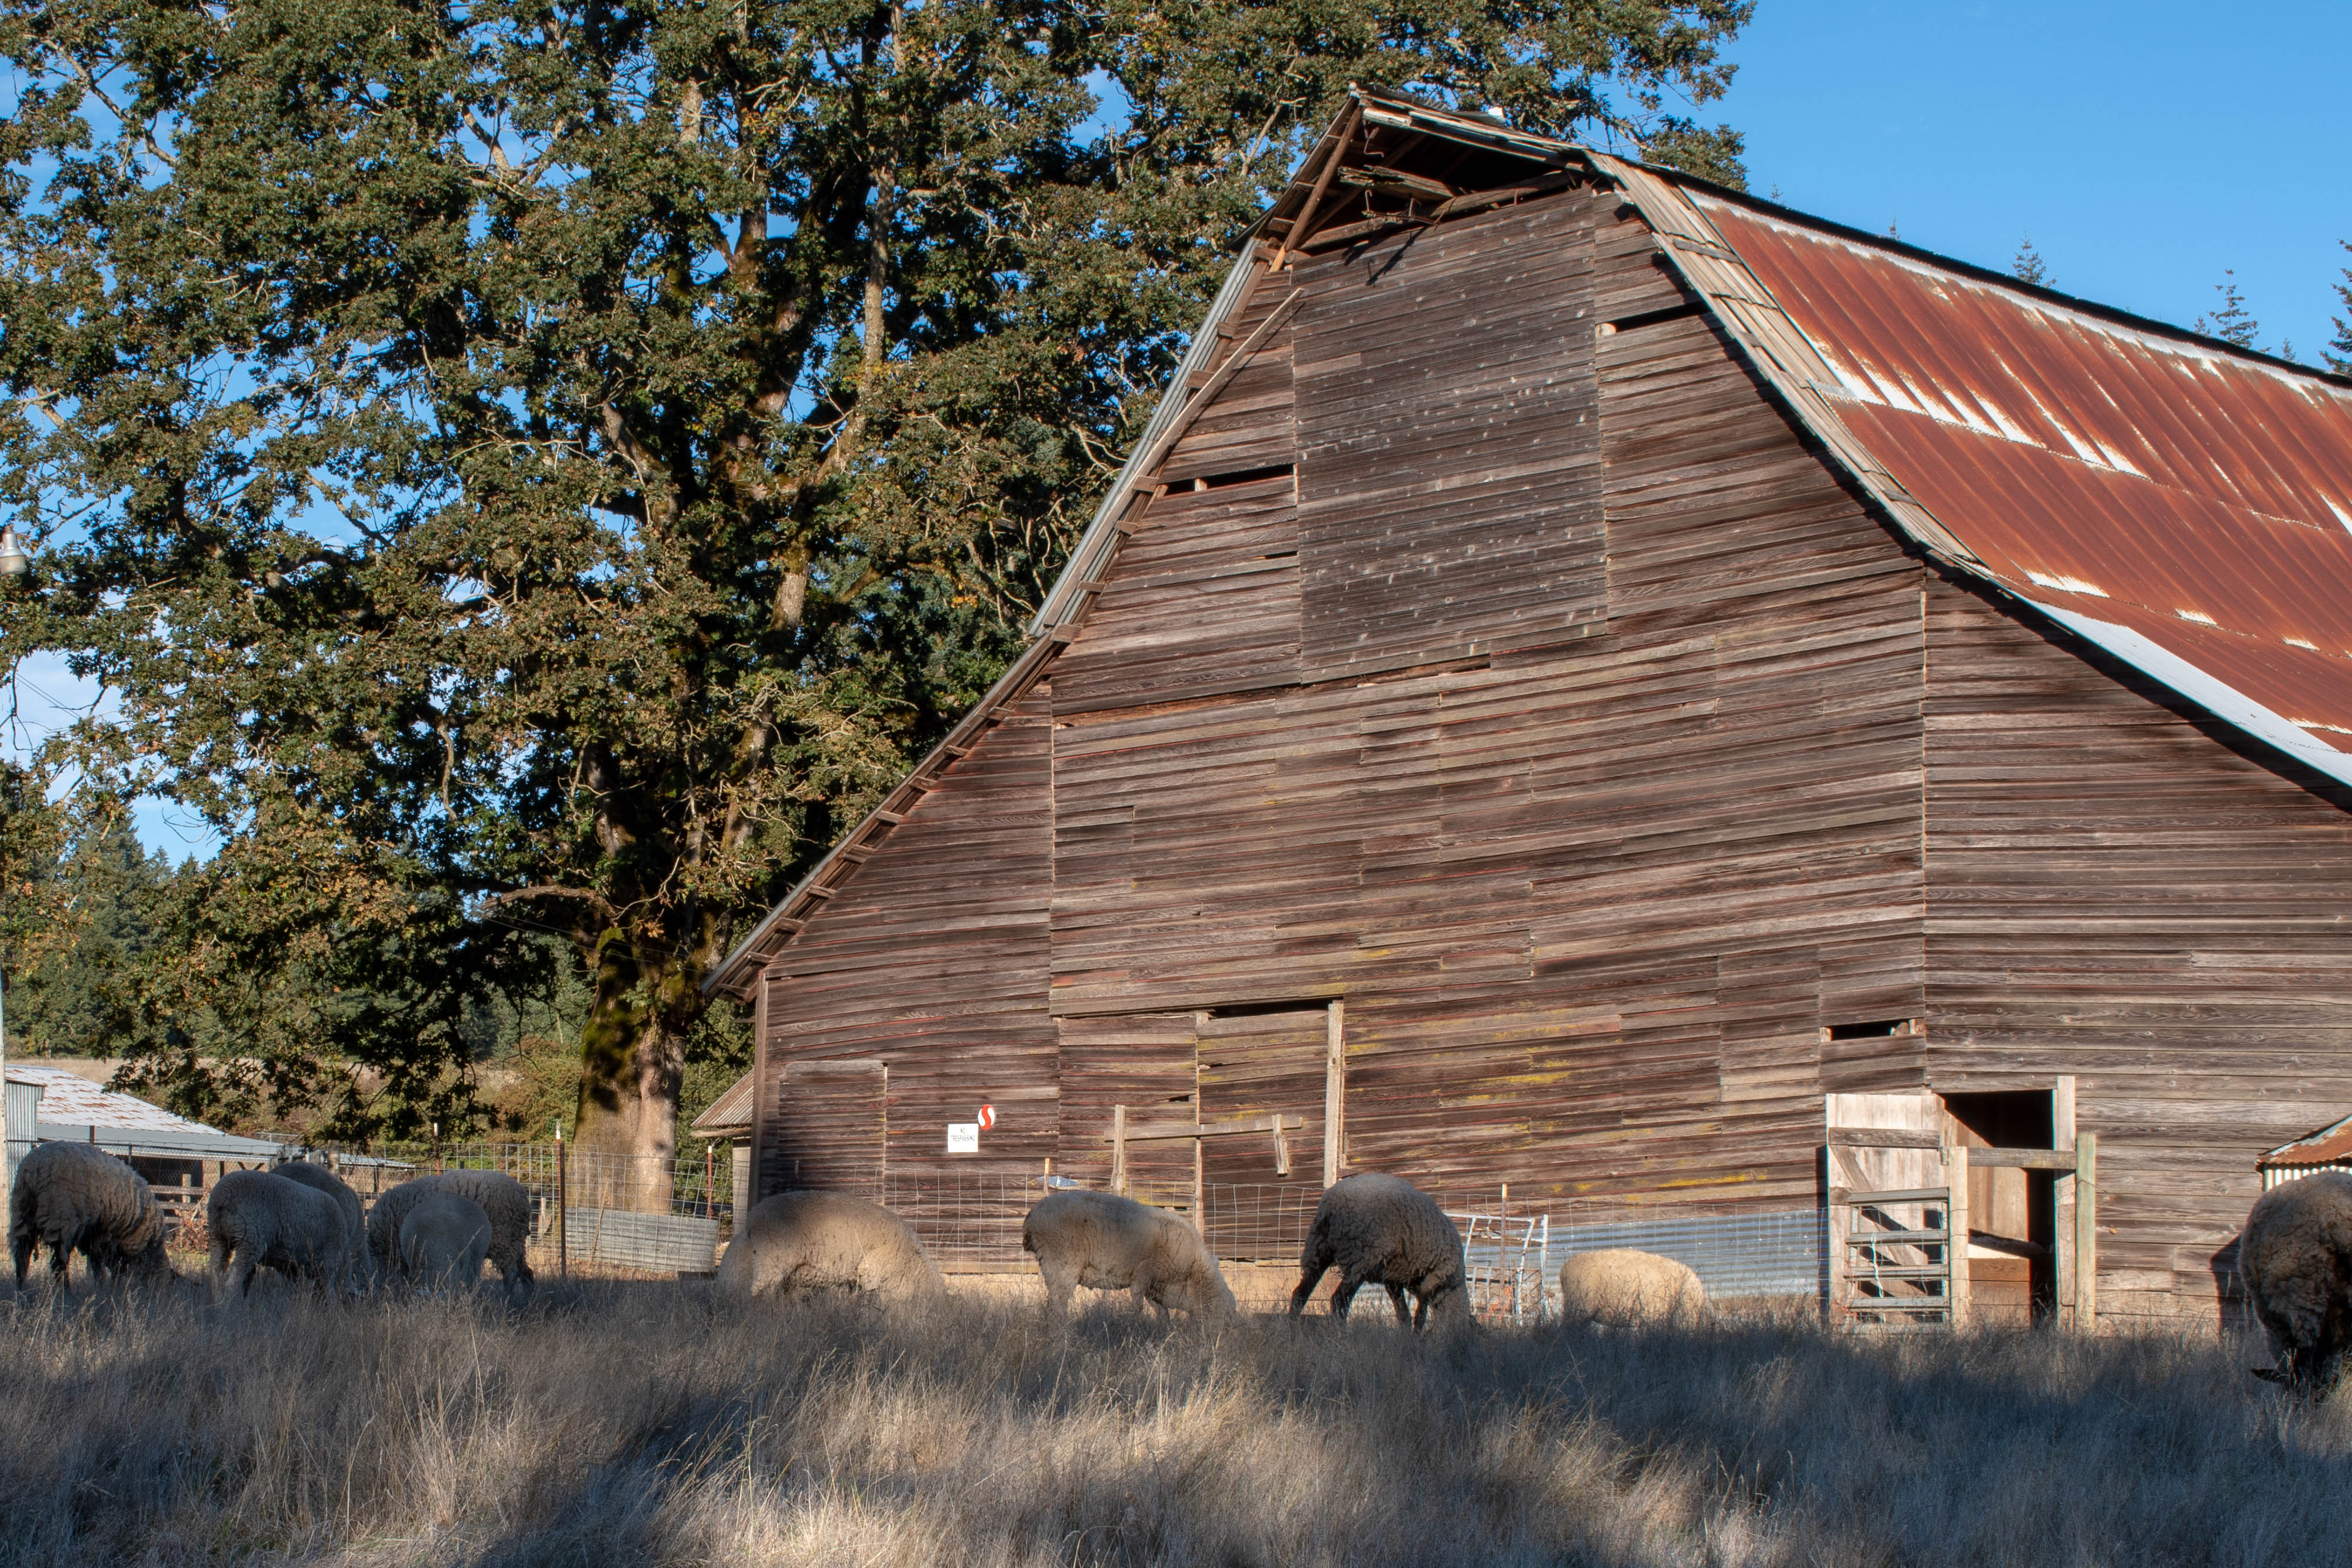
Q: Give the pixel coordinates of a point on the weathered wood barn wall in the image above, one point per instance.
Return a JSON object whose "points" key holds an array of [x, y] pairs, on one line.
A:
{"points": [[1500, 643]]}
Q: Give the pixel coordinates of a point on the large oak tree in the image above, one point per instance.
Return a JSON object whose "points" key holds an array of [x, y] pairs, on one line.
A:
{"points": [[547, 464]]}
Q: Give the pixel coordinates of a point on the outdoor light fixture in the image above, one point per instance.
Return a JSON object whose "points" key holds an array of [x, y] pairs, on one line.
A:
{"points": [[13, 559]]}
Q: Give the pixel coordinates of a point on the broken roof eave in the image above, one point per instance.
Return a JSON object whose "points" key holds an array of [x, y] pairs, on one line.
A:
{"points": [[1776, 347]]}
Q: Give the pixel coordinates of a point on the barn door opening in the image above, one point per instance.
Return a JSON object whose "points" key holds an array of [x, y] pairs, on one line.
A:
{"points": [[1140, 1067], [1275, 1068], [833, 1127], [1979, 1197], [2012, 1244]]}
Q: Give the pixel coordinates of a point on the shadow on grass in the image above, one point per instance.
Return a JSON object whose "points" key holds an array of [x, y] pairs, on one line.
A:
{"points": [[615, 1421]]}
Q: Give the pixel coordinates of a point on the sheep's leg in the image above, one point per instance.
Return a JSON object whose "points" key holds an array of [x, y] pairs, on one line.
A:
{"points": [[1345, 1295], [20, 1247], [1396, 1299], [1311, 1269], [1060, 1280]]}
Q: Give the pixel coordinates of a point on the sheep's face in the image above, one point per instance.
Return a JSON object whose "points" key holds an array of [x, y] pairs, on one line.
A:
{"points": [[1445, 1297], [1201, 1292]]}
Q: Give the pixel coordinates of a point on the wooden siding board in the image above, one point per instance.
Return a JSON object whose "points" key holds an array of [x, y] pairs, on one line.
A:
{"points": [[951, 909], [1530, 873], [1448, 443]]}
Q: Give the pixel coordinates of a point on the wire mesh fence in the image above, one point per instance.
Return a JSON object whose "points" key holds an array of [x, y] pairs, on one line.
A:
{"points": [[674, 1216], [1735, 1252]]}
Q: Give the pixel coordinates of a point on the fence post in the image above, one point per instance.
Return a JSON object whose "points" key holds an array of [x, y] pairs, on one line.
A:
{"points": [[1118, 1150], [1335, 1089], [2086, 1232], [562, 1234], [1200, 1180]]}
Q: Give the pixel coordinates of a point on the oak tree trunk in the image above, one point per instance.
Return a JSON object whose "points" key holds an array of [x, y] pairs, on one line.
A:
{"points": [[633, 1058]]}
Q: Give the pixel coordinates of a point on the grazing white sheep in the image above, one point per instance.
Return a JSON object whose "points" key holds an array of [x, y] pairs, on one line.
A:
{"points": [[799, 1242], [1383, 1230], [501, 1197], [259, 1219], [318, 1178], [1624, 1288], [2295, 1256], [73, 1198], [444, 1240], [1110, 1243]]}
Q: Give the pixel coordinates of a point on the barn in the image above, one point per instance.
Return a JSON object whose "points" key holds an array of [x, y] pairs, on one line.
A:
{"points": [[1595, 687]]}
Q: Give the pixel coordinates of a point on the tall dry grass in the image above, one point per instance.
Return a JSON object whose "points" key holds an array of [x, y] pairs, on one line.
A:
{"points": [[621, 1422]]}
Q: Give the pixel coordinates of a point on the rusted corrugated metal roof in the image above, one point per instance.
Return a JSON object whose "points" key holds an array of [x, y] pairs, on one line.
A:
{"points": [[730, 1113], [2185, 506], [2325, 1147]]}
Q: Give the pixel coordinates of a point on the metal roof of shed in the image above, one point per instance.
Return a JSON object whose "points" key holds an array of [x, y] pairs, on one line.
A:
{"points": [[67, 1097], [73, 1108], [730, 1112], [2330, 1144]]}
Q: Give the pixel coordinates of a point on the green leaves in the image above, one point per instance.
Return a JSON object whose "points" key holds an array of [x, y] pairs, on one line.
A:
{"points": [[560, 462]]}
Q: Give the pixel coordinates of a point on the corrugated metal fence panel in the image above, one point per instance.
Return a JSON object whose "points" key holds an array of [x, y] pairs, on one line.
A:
{"points": [[17, 1120], [649, 1241], [1776, 1253]]}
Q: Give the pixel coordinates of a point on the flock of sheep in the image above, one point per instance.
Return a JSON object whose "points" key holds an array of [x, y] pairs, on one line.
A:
{"points": [[436, 1232], [296, 1218]]}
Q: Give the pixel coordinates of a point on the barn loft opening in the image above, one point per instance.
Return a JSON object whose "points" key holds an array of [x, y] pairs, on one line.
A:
{"points": [[1243, 477], [1882, 1028], [1656, 318]]}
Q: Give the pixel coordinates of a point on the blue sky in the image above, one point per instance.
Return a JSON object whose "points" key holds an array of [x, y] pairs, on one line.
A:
{"points": [[2144, 147]]}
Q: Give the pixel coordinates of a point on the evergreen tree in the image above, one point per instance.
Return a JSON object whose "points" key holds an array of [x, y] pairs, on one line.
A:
{"points": [[80, 995], [2232, 323], [2338, 353], [2027, 266], [551, 463]]}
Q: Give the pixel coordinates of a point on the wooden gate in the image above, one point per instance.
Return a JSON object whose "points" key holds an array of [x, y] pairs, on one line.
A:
{"points": [[835, 1126], [1898, 1222], [1898, 1172]]}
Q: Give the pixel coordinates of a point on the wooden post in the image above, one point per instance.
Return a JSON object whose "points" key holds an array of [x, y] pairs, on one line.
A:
{"points": [[1335, 1091], [1199, 1190], [1956, 1226], [1118, 1150], [562, 1234], [2062, 1195], [2086, 1231]]}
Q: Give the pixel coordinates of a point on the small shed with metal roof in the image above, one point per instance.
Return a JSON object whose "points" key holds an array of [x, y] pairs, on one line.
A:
{"points": [[53, 1104], [2329, 1149], [1601, 683], [728, 1120]]}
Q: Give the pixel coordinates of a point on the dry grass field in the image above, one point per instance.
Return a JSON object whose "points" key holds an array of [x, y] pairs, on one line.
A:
{"points": [[617, 1422]]}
